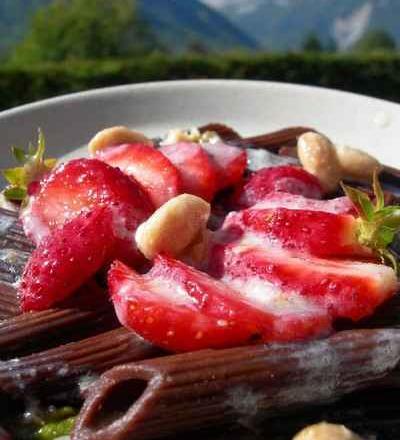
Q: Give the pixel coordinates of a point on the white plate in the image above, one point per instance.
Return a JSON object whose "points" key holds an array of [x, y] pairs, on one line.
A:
{"points": [[251, 107]]}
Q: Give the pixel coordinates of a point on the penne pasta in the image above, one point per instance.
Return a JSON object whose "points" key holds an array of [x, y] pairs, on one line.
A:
{"points": [[226, 133], [86, 314], [171, 395], [286, 137], [9, 302], [61, 367], [36, 331], [272, 141], [15, 249]]}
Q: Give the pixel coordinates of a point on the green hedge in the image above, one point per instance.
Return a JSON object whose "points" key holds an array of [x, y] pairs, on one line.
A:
{"points": [[377, 75]]}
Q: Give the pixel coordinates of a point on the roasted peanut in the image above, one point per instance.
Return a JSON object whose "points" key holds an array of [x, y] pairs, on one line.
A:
{"points": [[173, 227], [115, 136], [197, 251], [326, 431], [357, 164], [192, 135], [318, 156]]}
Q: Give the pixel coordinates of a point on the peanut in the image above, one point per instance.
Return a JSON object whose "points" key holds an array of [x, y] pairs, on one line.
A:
{"points": [[173, 227], [112, 136], [357, 164], [326, 431], [197, 251], [318, 156], [192, 135]]}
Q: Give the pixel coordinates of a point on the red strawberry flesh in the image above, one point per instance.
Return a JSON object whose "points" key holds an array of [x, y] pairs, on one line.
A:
{"points": [[157, 175], [287, 178], [197, 170], [314, 232], [340, 205], [84, 185], [230, 162], [182, 309], [345, 289], [66, 259]]}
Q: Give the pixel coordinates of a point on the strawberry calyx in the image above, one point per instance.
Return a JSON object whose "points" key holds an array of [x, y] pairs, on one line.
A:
{"points": [[377, 223], [33, 167]]}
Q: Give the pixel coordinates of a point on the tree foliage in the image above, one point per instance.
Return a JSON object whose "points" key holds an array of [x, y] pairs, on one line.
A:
{"points": [[311, 43], [85, 29], [376, 40]]}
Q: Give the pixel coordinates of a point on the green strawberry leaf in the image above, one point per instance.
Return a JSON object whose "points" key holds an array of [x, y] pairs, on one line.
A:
{"points": [[378, 224], [361, 201], [19, 154], [379, 196], [15, 193], [33, 167]]}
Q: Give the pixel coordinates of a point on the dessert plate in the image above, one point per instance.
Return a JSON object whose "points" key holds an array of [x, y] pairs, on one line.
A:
{"points": [[250, 106]]}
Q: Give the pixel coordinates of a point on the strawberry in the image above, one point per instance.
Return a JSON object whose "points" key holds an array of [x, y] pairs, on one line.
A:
{"points": [[340, 205], [83, 185], [315, 232], [181, 309], [197, 170], [66, 259], [148, 166], [286, 178], [230, 162], [345, 289]]}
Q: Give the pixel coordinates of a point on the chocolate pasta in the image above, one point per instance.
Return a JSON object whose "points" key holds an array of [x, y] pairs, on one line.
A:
{"points": [[15, 249], [60, 367], [174, 394]]}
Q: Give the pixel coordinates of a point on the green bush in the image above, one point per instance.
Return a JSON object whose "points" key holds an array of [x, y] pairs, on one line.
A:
{"points": [[376, 75]]}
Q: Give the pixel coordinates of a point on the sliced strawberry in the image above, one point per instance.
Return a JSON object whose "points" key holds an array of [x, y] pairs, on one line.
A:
{"points": [[230, 162], [197, 170], [83, 185], [340, 205], [148, 166], [182, 309], [345, 289], [66, 259], [315, 232], [287, 178]]}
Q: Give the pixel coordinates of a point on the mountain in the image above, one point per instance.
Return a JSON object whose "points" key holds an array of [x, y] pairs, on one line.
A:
{"points": [[182, 23], [283, 24], [177, 23]]}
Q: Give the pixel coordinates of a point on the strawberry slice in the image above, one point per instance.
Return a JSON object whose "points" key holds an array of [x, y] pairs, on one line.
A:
{"points": [[287, 178], [66, 259], [198, 172], [230, 162], [83, 185], [182, 309], [345, 289], [315, 232], [340, 205], [148, 166]]}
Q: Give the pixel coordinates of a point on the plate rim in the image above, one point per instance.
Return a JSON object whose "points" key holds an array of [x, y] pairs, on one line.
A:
{"points": [[132, 87]]}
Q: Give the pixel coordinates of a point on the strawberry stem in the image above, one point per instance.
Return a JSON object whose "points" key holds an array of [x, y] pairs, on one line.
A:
{"points": [[377, 224], [33, 167]]}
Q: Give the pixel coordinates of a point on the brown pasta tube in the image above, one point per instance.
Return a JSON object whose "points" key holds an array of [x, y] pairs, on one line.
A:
{"points": [[86, 314], [12, 235], [62, 366], [15, 249], [286, 137], [273, 141], [224, 132], [166, 396], [9, 302]]}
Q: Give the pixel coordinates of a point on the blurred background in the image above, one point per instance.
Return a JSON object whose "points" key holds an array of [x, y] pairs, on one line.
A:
{"points": [[51, 47]]}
